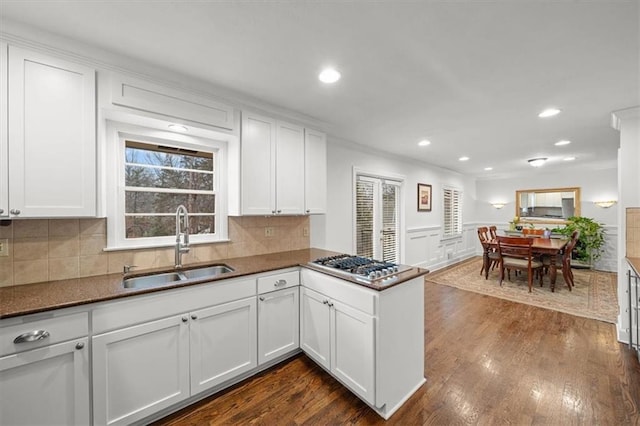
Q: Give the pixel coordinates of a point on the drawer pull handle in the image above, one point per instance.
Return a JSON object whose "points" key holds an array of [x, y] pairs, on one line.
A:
{"points": [[280, 283], [31, 336], [194, 317], [79, 345]]}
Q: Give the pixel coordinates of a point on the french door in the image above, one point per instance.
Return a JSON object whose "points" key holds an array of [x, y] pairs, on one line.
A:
{"points": [[378, 218]]}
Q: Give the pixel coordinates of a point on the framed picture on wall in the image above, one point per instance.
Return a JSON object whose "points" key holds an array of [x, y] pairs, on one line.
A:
{"points": [[424, 197]]}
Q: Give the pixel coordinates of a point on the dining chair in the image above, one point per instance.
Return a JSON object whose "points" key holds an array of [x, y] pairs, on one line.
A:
{"points": [[563, 260], [484, 237], [493, 232], [517, 253]]}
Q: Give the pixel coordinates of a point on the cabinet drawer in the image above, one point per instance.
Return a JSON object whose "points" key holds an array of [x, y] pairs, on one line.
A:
{"points": [[50, 329], [354, 295], [278, 281]]}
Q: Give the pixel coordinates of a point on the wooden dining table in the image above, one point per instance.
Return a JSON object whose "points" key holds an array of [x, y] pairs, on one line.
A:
{"points": [[540, 246]]}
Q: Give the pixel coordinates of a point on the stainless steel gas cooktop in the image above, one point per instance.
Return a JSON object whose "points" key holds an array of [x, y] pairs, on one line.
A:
{"points": [[360, 268]]}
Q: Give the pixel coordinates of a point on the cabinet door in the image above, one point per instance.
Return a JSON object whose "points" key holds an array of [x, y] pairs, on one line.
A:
{"points": [[258, 165], [46, 386], [289, 169], [352, 349], [315, 327], [4, 149], [223, 343], [140, 370], [315, 172], [52, 136], [278, 323]]}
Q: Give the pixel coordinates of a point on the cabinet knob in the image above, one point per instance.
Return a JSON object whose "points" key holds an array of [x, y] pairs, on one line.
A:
{"points": [[331, 305], [261, 298], [273, 212], [279, 211], [185, 319], [79, 345], [308, 211], [325, 302], [14, 211], [1, 211], [194, 317], [280, 283]]}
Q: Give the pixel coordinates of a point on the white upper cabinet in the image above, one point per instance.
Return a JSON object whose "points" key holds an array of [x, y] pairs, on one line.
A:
{"points": [[289, 169], [51, 137], [145, 96], [315, 172], [258, 165], [283, 168]]}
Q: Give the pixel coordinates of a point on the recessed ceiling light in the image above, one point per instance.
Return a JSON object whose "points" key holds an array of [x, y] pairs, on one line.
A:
{"points": [[488, 168], [537, 162], [463, 158], [562, 142], [329, 75], [424, 142], [569, 158], [549, 112], [178, 128]]}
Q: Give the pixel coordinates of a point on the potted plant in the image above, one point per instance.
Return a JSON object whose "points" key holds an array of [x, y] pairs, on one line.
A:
{"points": [[589, 246]]}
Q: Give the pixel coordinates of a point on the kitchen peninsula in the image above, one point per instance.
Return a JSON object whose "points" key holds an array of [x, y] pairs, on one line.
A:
{"points": [[156, 350]]}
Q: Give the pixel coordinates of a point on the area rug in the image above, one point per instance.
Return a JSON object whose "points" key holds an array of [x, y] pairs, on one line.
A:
{"points": [[594, 295]]}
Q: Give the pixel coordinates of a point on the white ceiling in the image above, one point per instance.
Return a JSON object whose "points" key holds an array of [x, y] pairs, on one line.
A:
{"points": [[469, 76]]}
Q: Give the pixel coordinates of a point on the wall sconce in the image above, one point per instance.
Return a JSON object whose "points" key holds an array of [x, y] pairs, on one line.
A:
{"points": [[605, 204], [498, 205]]}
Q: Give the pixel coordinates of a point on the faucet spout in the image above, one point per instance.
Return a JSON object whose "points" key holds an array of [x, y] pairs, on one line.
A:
{"points": [[182, 229]]}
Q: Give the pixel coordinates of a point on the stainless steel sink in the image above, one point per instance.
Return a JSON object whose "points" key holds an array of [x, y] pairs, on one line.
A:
{"points": [[156, 280], [208, 271], [152, 280]]}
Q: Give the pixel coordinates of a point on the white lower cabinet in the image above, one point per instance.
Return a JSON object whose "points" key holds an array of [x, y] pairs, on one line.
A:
{"points": [[46, 386], [278, 323], [142, 369], [371, 341], [341, 339], [139, 370], [223, 343]]}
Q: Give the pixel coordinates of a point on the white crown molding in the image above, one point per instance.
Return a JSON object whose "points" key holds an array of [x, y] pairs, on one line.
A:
{"points": [[624, 114]]}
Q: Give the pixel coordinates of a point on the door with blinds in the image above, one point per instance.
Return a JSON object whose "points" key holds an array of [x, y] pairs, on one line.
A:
{"points": [[378, 218]]}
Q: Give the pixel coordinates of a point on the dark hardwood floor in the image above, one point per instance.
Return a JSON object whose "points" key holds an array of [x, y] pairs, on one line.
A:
{"points": [[487, 361]]}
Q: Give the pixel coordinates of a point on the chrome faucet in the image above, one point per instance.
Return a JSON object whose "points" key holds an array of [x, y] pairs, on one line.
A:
{"points": [[182, 227]]}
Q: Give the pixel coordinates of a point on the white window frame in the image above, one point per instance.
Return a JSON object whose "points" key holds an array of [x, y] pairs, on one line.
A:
{"points": [[116, 137], [446, 236]]}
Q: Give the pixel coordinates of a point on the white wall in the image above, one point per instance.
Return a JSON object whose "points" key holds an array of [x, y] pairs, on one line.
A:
{"points": [[334, 231]]}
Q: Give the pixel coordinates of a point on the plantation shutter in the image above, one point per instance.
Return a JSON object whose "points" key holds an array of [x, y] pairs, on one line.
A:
{"points": [[364, 217], [452, 215], [390, 222], [377, 218]]}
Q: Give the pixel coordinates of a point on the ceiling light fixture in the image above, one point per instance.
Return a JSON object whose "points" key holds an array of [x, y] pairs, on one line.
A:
{"points": [[537, 162], [463, 159], [424, 142], [569, 158], [488, 169], [178, 128], [549, 112], [498, 205], [562, 142], [605, 204], [329, 75]]}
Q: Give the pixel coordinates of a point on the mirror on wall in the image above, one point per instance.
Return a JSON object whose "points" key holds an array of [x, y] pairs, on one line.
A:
{"points": [[547, 204]]}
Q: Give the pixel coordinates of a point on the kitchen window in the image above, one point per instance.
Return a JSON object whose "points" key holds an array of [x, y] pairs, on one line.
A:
{"points": [[157, 172], [452, 212]]}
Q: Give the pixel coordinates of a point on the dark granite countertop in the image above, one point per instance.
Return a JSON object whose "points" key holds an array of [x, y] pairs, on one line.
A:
{"points": [[45, 296], [635, 264]]}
